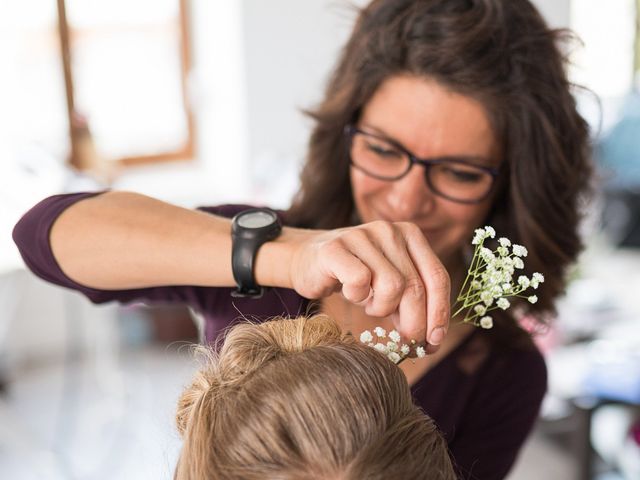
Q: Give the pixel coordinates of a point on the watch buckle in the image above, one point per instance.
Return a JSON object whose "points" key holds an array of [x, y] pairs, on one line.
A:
{"points": [[248, 292]]}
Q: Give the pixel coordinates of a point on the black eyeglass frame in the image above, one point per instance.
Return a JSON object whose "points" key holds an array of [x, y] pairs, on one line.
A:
{"points": [[350, 130]]}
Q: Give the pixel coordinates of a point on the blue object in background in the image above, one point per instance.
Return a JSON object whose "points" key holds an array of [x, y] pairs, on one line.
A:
{"points": [[619, 150], [615, 379]]}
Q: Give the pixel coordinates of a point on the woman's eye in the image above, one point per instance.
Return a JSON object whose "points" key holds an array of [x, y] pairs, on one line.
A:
{"points": [[383, 151], [463, 175]]}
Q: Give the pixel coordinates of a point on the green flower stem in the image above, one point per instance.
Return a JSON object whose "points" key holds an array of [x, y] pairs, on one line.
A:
{"points": [[471, 271], [489, 271]]}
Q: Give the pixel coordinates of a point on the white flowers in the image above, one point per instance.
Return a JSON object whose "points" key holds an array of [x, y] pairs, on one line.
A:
{"points": [[504, 242], [394, 357], [394, 336], [366, 337], [488, 286], [490, 281], [519, 251], [486, 322], [393, 349], [537, 279], [503, 303], [380, 332], [487, 255], [480, 309], [481, 234]]}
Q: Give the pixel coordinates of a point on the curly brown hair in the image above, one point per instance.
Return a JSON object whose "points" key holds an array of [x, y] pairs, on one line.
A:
{"points": [[501, 53]]}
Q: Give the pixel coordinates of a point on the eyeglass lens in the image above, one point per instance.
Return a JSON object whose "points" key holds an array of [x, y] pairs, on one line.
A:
{"points": [[384, 160]]}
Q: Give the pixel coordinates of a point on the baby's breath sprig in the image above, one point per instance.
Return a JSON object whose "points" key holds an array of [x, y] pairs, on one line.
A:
{"points": [[489, 283], [390, 344], [488, 286]]}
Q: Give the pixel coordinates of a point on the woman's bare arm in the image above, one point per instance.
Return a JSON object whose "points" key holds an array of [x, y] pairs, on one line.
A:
{"points": [[121, 240]]}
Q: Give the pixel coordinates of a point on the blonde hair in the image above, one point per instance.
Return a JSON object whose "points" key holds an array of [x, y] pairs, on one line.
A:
{"points": [[295, 399]]}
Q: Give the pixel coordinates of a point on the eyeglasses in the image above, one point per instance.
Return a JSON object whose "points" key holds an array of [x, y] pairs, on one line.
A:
{"points": [[456, 179]]}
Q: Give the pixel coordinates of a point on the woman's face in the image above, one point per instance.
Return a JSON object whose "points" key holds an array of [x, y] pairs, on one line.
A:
{"points": [[429, 121]]}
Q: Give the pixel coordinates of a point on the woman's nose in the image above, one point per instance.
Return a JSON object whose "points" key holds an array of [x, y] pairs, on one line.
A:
{"points": [[410, 197]]}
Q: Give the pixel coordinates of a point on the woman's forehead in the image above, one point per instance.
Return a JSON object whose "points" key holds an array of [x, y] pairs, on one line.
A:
{"points": [[429, 119]]}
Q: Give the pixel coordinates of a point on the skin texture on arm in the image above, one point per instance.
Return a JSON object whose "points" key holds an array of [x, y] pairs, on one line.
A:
{"points": [[122, 240]]}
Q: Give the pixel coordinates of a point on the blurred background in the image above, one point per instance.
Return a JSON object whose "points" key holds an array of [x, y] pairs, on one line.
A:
{"points": [[199, 102]]}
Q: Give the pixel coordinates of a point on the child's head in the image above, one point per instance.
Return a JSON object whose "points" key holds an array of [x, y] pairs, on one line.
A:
{"points": [[294, 399]]}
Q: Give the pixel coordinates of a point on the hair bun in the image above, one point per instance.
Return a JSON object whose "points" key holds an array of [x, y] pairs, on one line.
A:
{"points": [[248, 347], [204, 382], [294, 398]]}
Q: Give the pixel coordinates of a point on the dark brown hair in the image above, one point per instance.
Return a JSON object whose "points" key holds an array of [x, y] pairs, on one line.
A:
{"points": [[294, 398], [499, 52]]}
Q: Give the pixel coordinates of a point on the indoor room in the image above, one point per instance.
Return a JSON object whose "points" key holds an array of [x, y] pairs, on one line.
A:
{"points": [[376, 138]]}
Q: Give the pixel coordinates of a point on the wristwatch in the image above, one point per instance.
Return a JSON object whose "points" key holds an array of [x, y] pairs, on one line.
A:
{"points": [[249, 230]]}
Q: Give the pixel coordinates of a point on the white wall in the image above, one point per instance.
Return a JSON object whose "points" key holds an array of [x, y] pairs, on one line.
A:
{"points": [[41, 322], [290, 47], [556, 12]]}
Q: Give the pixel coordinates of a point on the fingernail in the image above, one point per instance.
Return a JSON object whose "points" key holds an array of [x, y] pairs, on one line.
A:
{"points": [[431, 349], [437, 335]]}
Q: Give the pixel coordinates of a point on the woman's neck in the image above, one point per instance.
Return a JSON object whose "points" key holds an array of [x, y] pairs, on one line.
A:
{"points": [[457, 268]]}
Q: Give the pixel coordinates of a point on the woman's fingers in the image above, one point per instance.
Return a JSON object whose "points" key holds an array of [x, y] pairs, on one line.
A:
{"points": [[323, 265], [348, 270], [436, 281], [406, 278], [387, 281], [396, 284], [387, 267]]}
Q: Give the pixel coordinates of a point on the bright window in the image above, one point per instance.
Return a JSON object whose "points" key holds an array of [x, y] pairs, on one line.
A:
{"points": [[605, 63], [127, 75], [124, 80]]}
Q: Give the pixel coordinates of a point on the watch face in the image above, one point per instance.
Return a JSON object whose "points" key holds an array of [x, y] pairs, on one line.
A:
{"points": [[256, 220]]}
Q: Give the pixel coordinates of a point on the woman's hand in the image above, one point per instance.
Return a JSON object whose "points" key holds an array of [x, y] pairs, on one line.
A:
{"points": [[389, 268]]}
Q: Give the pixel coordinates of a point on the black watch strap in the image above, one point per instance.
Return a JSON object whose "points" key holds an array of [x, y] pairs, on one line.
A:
{"points": [[242, 258], [249, 231]]}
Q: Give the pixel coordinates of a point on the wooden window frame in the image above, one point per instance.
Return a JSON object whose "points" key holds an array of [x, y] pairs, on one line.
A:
{"points": [[186, 153]]}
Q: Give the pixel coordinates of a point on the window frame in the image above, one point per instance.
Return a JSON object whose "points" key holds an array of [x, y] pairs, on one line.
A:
{"points": [[185, 153]]}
